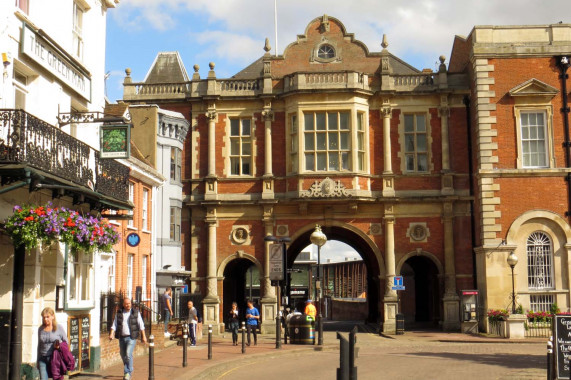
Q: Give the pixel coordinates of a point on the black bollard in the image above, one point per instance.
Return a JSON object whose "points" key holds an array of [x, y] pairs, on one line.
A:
{"points": [[343, 370], [209, 342], [549, 358], [243, 337], [352, 342], [151, 357], [286, 332], [278, 331], [184, 343]]}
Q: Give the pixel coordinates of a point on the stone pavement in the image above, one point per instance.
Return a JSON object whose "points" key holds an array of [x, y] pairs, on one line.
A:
{"points": [[414, 355]]}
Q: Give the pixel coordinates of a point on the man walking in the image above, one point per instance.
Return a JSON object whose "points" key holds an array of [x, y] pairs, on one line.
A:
{"points": [[167, 309], [127, 326], [252, 317], [192, 321]]}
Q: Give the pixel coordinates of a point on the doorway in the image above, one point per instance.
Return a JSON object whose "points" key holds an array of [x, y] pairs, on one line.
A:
{"points": [[241, 282], [420, 301]]}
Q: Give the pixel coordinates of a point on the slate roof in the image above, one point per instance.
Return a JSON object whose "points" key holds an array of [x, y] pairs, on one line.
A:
{"points": [[253, 71], [167, 68]]}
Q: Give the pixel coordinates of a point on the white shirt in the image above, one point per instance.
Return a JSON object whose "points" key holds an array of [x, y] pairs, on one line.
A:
{"points": [[125, 330]]}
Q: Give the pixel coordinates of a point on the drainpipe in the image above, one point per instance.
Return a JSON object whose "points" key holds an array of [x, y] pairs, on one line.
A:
{"points": [[471, 181], [26, 182], [563, 64], [16, 317]]}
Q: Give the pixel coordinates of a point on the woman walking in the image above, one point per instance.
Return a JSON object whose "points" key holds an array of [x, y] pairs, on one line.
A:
{"points": [[48, 333], [234, 323]]}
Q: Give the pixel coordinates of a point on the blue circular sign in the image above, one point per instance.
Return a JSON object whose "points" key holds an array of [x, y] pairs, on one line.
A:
{"points": [[133, 239]]}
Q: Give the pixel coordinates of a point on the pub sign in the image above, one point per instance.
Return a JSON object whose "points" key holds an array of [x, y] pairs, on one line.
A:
{"points": [[115, 141]]}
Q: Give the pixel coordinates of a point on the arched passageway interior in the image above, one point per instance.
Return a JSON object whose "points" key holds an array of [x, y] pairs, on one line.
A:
{"points": [[241, 282], [420, 301], [373, 307]]}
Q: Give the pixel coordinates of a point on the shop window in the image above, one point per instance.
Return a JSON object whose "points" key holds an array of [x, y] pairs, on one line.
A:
{"points": [[240, 147], [80, 280], [539, 261]]}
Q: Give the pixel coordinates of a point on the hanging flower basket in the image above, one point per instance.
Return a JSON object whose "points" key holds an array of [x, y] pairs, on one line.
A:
{"points": [[30, 225]]}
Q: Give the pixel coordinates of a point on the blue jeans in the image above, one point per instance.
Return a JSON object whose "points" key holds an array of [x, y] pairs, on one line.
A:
{"points": [[43, 365], [167, 319], [126, 347], [192, 333]]}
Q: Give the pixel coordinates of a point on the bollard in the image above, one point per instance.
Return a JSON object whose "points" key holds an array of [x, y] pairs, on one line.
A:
{"points": [[343, 370], [209, 342], [549, 356], [151, 357], [184, 344], [286, 332], [243, 337], [352, 342], [278, 332]]}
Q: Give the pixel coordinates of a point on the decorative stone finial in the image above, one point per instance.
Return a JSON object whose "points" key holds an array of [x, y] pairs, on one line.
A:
{"points": [[442, 59], [267, 46], [442, 67], [196, 68], [385, 43], [324, 24], [211, 65], [128, 71]]}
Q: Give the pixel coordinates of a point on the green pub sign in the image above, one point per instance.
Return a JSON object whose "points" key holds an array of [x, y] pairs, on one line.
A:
{"points": [[115, 140]]}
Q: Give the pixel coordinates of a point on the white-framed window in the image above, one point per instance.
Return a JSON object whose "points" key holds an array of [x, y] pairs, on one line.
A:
{"points": [[539, 261], [79, 280], [176, 164], [175, 218], [130, 259], [78, 12], [534, 146], [415, 143], [130, 222], [326, 51], [24, 5], [361, 149], [327, 141], [144, 264], [20, 90], [541, 302], [145, 210], [111, 274], [294, 143], [240, 147]]}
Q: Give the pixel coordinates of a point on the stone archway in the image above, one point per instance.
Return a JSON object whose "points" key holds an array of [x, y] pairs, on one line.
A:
{"points": [[363, 244]]}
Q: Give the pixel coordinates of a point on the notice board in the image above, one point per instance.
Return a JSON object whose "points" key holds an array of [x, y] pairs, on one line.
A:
{"points": [[562, 345], [79, 340]]}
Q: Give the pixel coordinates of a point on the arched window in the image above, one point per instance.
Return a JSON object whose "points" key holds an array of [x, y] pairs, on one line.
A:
{"points": [[326, 52], [539, 261]]}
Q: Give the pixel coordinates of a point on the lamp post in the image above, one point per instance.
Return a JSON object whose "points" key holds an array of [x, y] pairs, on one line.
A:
{"points": [[318, 238], [283, 277], [512, 262]]}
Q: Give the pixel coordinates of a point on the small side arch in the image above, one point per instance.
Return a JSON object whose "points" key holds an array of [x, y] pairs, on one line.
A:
{"points": [[527, 216], [235, 256], [429, 255]]}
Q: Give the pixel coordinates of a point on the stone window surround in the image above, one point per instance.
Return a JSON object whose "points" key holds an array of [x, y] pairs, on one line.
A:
{"points": [[401, 153], [355, 109], [537, 108], [551, 273], [226, 147], [315, 52]]}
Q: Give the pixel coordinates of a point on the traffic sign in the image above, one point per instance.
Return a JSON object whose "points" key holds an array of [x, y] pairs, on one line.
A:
{"points": [[276, 262], [402, 287], [398, 281]]}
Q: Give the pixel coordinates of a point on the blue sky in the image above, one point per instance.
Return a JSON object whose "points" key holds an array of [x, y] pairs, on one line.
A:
{"points": [[231, 33]]}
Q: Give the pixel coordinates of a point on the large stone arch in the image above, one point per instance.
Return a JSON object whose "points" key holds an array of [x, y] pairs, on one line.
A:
{"points": [[235, 256], [527, 216]]}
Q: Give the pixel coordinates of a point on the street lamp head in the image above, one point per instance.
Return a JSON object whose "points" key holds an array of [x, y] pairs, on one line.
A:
{"points": [[564, 60], [512, 260], [317, 236]]}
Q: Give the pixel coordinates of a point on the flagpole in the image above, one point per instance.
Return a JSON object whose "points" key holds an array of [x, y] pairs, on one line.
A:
{"points": [[276, 23]]}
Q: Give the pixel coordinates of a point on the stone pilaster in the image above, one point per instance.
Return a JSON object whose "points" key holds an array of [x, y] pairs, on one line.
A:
{"points": [[388, 177], [269, 300], [211, 302], [268, 117], [447, 177], [212, 117], [390, 299], [450, 300]]}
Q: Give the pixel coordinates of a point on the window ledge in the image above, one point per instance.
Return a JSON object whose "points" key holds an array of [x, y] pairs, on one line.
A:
{"points": [[132, 228], [115, 223], [146, 231]]}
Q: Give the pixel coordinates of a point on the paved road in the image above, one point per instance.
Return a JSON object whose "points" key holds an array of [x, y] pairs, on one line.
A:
{"points": [[413, 356]]}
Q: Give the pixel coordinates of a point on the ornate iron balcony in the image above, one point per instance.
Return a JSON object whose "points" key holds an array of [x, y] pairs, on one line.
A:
{"points": [[27, 140]]}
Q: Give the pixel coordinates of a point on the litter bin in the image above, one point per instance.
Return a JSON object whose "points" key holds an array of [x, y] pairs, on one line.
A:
{"points": [[400, 324], [301, 329]]}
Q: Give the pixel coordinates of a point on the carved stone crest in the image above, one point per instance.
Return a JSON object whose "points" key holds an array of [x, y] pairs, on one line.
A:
{"points": [[418, 232], [240, 235], [327, 188]]}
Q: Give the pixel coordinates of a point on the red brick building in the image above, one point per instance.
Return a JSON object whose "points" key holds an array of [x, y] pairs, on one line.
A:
{"points": [[371, 148]]}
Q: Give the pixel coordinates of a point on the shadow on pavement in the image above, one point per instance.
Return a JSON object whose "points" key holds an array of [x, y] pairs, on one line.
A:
{"points": [[516, 361]]}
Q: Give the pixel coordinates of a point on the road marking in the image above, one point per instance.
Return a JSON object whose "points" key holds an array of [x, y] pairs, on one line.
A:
{"points": [[235, 368]]}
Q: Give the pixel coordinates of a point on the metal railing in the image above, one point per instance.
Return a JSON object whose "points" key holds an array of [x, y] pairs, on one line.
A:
{"points": [[26, 139], [112, 301]]}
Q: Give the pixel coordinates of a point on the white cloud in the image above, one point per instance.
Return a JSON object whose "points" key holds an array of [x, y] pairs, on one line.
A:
{"points": [[416, 29]]}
